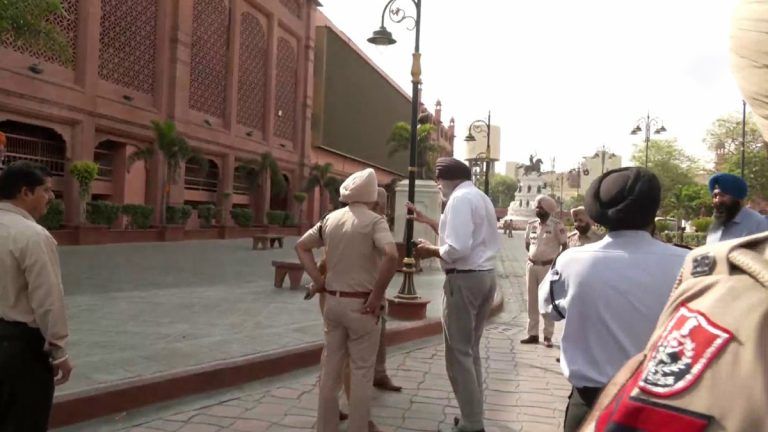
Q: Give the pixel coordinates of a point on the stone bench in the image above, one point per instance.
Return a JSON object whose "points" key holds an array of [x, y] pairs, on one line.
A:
{"points": [[267, 241], [293, 270]]}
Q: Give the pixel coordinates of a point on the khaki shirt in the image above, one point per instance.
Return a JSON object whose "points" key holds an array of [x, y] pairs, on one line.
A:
{"points": [[706, 360], [545, 239], [575, 239], [354, 238], [30, 286]]}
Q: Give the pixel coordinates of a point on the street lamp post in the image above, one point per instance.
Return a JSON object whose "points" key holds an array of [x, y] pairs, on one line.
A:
{"points": [[382, 37], [477, 126], [645, 124], [477, 165]]}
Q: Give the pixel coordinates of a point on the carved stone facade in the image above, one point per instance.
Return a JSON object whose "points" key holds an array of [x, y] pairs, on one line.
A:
{"points": [[128, 44], [236, 77]]}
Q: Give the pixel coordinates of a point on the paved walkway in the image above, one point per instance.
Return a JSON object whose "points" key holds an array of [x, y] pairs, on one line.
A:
{"points": [[142, 309], [525, 390]]}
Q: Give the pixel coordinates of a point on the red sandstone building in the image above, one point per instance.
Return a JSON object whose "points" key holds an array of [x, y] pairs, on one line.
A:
{"points": [[238, 77]]}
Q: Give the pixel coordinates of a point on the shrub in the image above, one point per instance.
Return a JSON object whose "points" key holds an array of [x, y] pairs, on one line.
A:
{"points": [[243, 217], [54, 216], [139, 216], [695, 239], [276, 217], [663, 226], [701, 225], [289, 221], [206, 213], [102, 213], [177, 215], [299, 197]]}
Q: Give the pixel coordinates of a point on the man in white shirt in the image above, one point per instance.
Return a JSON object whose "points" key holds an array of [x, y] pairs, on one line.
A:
{"points": [[33, 318], [610, 293], [469, 242]]}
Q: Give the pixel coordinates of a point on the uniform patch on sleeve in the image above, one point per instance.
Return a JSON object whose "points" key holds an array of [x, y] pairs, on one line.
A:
{"points": [[687, 346], [626, 413]]}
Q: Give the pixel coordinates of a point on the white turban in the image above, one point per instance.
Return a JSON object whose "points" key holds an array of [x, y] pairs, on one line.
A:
{"points": [[547, 203], [360, 187], [749, 57]]}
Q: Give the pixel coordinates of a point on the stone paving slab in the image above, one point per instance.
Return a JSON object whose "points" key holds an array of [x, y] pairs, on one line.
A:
{"points": [[525, 390], [141, 309]]}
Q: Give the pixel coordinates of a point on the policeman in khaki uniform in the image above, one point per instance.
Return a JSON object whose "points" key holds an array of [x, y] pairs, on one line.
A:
{"points": [[584, 232], [361, 259], [545, 238], [705, 368]]}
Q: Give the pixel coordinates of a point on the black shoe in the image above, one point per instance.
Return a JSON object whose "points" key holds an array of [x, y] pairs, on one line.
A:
{"points": [[530, 340]]}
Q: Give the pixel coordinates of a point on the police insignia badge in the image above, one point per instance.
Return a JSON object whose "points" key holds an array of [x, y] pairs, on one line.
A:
{"points": [[690, 341], [703, 265]]}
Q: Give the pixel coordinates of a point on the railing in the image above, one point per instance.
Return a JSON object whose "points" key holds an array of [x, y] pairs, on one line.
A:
{"points": [[50, 154]]}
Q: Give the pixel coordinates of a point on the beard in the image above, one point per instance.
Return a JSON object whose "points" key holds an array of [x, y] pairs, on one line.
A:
{"points": [[542, 214], [582, 229], [725, 213]]}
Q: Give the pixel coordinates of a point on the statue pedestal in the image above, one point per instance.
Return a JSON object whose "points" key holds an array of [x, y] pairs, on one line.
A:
{"points": [[428, 201], [521, 210]]}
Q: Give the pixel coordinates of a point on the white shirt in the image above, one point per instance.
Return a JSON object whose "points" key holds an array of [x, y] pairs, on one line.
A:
{"points": [[469, 239], [31, 291], [611, 294]]}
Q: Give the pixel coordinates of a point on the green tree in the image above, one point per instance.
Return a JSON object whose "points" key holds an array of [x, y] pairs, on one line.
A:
{"points": [[427, 151], [320, 177], [254, 170], [573, 202], [502, 190], [175, 150], [755, 170], [673, 166], [723, 138], [29, 22], [688, 202]]}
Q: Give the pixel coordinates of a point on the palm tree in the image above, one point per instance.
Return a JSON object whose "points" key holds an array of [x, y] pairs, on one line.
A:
{"points": [[320, 176], [254, 171], [400, 141], [175, 150]]}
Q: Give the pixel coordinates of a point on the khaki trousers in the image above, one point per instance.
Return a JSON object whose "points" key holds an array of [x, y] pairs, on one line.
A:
{"points": [[534, 274], [467, 300], [348, 335]]}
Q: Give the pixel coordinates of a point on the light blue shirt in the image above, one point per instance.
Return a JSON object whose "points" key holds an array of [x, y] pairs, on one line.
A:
{"points": [[610, 294], [746, 223]]}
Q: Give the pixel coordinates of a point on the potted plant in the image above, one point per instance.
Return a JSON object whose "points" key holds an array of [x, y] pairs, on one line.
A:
{"points": [[84, 173], [206, 213]]}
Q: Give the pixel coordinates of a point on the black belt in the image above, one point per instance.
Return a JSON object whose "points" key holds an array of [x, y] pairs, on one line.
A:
{"points": [[459, 271]]}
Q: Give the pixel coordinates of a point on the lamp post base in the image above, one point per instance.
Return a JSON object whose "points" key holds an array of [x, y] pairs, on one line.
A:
{"points": [[410, 309]]}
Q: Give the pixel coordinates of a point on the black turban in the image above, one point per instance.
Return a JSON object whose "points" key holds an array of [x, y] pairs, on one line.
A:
{"points": [[448, 168], [624, 199]]}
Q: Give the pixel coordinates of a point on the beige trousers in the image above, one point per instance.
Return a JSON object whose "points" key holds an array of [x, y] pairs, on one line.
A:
{"points": [[534, 274], [467, 300], [348, 335]]}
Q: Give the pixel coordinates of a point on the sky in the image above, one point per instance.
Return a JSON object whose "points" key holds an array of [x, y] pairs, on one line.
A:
{"points": [[562, 77]]}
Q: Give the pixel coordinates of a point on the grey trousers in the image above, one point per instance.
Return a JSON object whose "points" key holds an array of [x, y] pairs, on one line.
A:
{"points": [[467, 300]]}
